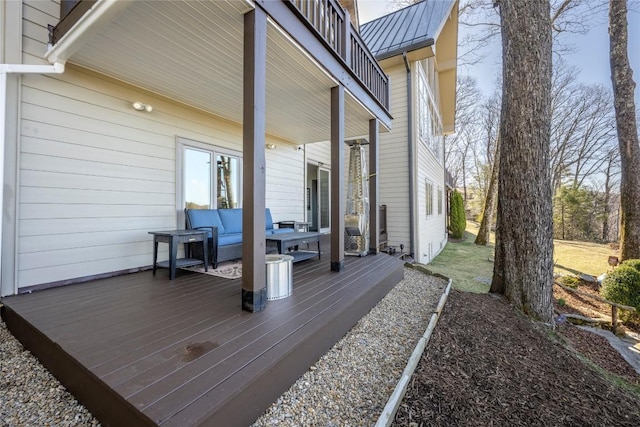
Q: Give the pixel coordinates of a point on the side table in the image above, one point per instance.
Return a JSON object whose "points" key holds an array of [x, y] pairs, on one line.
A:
{"points": [[174, 238]]}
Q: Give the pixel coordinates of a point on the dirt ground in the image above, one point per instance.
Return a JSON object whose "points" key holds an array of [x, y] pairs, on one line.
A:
{"points": [[487, 365]]}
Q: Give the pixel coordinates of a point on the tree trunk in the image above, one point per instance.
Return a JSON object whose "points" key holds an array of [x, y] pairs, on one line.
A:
{"points": [[490, 202], [623, 87], [524, 248], [464, 173], [562, 210], [607, 200]]}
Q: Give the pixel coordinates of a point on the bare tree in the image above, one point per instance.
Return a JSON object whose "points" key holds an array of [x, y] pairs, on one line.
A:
{"points": [[582, 128], [523, 268], [484, 232], [492, 129], [459, 145], [623, 87], [609, 173], [597, 133]]}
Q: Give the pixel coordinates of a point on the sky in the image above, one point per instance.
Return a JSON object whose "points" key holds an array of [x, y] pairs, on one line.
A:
{"points": [[591, 55]]}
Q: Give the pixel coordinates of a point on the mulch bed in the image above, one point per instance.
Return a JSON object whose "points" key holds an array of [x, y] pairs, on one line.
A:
{"points": [[580, 304], [598, 350], [488, 365]]}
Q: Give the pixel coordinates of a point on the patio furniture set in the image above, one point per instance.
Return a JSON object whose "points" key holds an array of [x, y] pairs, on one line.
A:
{"points": [[219, 234]]}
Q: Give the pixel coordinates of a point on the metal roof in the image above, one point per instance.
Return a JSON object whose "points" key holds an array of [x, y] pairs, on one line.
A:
{"points": [[407, 29]]}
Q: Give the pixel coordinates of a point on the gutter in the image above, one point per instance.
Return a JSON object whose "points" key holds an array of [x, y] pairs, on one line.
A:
{"points": [[5, 69], [98, 15], [391, 52], [410, 151]]}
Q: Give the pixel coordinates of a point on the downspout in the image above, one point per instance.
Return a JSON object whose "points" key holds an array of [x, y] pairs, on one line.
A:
{"points": [[5, 69], [410, 151]]}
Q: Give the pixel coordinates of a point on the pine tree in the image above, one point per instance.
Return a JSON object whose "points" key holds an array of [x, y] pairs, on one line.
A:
{"points": [[457, 221]]}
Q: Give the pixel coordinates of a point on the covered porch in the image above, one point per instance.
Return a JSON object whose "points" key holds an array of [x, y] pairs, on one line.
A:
{"points": [[234, 74], [140, 349]]}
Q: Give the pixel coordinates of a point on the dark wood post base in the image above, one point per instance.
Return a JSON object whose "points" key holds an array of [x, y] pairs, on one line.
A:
{"points": [[254, 301], [337, 265]]}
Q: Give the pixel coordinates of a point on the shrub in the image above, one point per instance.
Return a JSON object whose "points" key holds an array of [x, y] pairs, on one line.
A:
{"points": [[634, 263], [561, 302], [622, 285], [457, 220], [571, 281]]}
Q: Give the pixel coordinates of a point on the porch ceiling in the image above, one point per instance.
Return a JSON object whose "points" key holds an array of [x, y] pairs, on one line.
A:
{"points": [[192, 52]]}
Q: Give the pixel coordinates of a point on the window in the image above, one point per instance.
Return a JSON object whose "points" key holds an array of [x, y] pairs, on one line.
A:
{"points": [[429, 197], [211, 177], [429, 123], [439, 201]]}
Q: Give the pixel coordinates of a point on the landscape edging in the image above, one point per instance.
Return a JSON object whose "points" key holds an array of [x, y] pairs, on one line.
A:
{"points": [[389, 412]]}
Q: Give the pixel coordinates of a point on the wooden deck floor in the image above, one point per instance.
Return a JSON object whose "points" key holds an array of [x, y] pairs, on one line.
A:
{"points": [[139, 349]]}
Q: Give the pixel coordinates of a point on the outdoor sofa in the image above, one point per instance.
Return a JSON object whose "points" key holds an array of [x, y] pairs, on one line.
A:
{"points": [[225, 231]]}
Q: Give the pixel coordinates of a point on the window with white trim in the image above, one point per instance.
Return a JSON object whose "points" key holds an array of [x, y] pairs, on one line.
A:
{"points": [[429, 122], [211, 177], [429, 197], [439, 200]]}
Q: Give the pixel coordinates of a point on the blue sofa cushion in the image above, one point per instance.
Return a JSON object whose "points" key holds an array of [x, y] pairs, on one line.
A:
{"points": [[268, 219], [229, 239], [232, 220], [205, 218]]}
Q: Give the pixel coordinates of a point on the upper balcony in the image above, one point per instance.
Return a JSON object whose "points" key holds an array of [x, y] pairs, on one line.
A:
{"points": [[157, 45]]}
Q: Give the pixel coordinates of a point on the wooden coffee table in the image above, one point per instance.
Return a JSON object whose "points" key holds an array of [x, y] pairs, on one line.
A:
{"points": [[287, 241]]}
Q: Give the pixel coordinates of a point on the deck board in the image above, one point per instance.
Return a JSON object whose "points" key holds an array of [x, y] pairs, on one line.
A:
{"points": [[139, 349]]}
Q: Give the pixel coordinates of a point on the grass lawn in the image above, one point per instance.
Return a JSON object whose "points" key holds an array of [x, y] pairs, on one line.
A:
{"points": [[466, 263], [471, 267], [572, 257]]}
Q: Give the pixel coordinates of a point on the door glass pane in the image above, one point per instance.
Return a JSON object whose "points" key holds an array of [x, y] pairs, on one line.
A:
{"points": [[228, 182], [324, 198], [197, 179]]}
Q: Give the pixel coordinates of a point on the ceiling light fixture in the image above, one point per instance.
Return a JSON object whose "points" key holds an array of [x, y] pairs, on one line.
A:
{"points": [[142, 107]]}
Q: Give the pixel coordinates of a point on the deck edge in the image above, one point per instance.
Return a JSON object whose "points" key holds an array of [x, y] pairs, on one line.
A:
{"points": [[90, 391]]}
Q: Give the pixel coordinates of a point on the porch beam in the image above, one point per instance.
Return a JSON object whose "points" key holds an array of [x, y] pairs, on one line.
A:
{"points": [[337, 178], [254, 287], [374, 209]]}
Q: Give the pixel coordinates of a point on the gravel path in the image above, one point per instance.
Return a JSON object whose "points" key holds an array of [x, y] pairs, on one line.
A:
{"points": [[351, 384], [30, 395], [348, 386]]}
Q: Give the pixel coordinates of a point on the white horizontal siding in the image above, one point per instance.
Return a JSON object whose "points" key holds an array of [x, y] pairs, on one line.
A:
{"points": [[36, 178], [39, 13], [394, 178], [99, 262], [38, 227], [319, 152], [36, 15], [96, 176], [431, 229], [285, 182], [393, 157]]}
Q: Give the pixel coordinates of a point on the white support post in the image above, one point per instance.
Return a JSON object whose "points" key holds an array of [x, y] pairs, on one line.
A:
{"points": [[3, 128], [5, 69]]}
